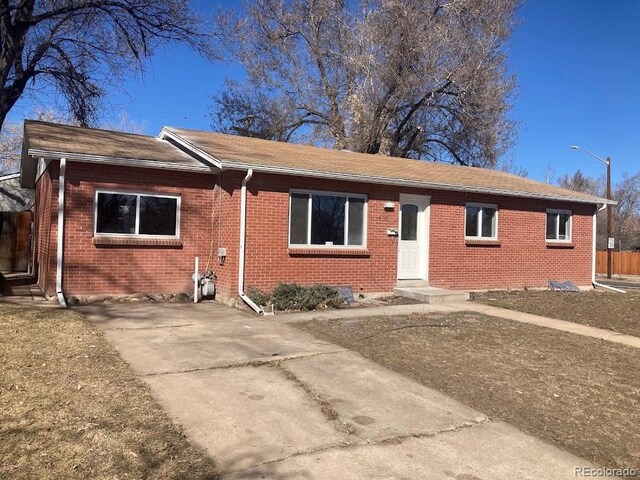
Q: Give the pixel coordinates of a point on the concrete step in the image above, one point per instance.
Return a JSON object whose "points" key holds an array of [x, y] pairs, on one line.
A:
{"points": [[431, 294], [412, 283]]}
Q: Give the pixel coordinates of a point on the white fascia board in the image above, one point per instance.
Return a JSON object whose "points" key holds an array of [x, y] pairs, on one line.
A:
{"points": [[166, 133], [9, 176], [233, 165], [127, 162]]}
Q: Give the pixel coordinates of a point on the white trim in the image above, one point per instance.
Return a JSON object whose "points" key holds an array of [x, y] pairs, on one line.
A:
{"points": [[165, 134], [481, 206], [558, 212], [194, 166], [10, 176], [41, 167], [346, 246], [60, 233], [423, 232], [138, 194]]}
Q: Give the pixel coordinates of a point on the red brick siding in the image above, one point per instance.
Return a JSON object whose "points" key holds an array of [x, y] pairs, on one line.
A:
{"points": [[46, 228], [210, 218], [90, 268], [522, 259], [268, 261]]}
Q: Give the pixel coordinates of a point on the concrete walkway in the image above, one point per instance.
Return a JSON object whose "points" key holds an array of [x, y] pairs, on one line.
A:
{"points": [[451, 307], [269, 401], [546, 322]]}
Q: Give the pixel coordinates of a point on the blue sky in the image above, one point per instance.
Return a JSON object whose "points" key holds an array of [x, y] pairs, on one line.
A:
{"points": [[576, 61]]}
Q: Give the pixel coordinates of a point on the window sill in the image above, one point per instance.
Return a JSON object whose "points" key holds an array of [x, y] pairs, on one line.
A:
{"points": [[469, 242], [552, 244], [106, 241], [328, 252]]}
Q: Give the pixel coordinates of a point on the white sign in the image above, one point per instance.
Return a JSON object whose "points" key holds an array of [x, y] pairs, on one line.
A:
{"points": [[612, 243]]}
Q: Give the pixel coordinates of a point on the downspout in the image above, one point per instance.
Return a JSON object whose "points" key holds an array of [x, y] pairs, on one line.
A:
{"points": [[593, 257], [243, 228], [60, 250]]}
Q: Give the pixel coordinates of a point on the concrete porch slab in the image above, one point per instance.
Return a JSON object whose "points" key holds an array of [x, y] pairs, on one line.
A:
{"points": [[431, 294]]}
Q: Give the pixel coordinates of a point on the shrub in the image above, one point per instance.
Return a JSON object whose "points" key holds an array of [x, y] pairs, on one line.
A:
{"points": [[319, 295], [286, 296], [291, 296], [259, 296]]}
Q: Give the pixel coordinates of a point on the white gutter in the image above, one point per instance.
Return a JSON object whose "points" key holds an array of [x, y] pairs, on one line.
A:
{"points": [[593, 257], [60, 250], [243, 228]]}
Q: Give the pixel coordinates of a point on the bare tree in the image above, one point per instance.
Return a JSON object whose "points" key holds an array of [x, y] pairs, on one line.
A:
{"points": [[79, 46], [411, 78], [625, 220], [626, 214], [582, 183]]}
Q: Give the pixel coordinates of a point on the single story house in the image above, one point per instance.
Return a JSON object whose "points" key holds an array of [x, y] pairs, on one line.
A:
{"points": [[14, 198], [121, 213]]}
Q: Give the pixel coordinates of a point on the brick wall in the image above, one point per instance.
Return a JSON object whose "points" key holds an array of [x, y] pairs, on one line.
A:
{"points": [[521, 259], [210, 218], [269, 262], [46, 228], [116, 269]]}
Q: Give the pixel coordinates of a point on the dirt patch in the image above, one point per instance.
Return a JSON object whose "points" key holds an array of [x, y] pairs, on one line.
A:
{"points": [[579, 393], [613, 311], [70, 407]]}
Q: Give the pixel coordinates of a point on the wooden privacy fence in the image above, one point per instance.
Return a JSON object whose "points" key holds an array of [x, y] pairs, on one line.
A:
{"points": [[15, 238], [622, 263]]}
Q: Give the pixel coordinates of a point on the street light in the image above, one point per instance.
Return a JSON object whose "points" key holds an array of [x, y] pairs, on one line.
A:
{"points": [[607, 162]]}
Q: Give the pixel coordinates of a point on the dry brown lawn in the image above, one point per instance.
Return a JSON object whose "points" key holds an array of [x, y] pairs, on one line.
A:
{"points": [[614, 311], [579, 393], [71, 408]]}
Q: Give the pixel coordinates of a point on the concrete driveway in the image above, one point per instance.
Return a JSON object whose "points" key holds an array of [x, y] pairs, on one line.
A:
{"points": [[269, 401]]}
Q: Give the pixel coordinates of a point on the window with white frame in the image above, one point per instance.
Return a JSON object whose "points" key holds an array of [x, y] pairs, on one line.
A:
{"points": [[481, 221], [124, 213], [558, 225], [327, 219]]}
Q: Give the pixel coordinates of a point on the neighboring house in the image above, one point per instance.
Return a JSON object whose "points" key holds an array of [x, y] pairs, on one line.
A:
{"points": [[16, 204], [14, 198], [137, 210]]}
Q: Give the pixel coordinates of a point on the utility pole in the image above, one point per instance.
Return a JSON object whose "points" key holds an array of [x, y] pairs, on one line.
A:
{"points": [[607, 162], [609, 250]]}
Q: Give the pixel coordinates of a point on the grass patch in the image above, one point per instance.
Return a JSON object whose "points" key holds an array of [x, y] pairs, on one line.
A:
{"points": [[614, 311], [579, 393], [70, 407]]}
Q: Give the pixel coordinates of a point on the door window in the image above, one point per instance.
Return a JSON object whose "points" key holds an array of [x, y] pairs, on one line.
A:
{"points": [[409, 224]]}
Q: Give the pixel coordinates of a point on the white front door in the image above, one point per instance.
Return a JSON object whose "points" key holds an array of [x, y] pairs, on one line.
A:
{"points": [[413, 237]]}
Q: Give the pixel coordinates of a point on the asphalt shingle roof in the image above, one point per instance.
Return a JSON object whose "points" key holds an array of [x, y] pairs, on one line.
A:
{"points": [[234, 151]]}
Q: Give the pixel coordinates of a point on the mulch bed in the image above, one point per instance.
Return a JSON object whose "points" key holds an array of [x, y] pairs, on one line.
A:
{"points": [[579, 393]]}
